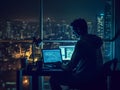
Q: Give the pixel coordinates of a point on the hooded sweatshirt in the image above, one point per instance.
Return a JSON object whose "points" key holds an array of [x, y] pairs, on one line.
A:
{"points": [[87, 56]]}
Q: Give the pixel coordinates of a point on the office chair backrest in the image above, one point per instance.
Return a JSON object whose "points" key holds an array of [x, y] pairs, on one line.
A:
{"points": [[106, 71], [110, 67]]}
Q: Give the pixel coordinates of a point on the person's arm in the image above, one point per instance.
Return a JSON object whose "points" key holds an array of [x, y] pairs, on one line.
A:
{"points": [[76, 56]]}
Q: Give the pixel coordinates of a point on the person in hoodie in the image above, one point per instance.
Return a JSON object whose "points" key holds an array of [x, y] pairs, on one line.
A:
{"points": [[86, 59]]}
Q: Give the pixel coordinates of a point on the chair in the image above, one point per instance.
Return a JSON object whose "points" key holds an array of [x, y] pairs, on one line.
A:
{"points": [[108, 70], [110, 67], [102, 81]]}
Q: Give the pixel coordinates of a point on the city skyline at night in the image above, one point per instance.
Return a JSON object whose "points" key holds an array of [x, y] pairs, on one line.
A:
{"points": [[22, 24]]}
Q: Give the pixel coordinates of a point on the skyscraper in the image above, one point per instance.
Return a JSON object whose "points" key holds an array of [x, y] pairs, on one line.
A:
{"points": [[109, 29], [8, 29], [100, 25]]}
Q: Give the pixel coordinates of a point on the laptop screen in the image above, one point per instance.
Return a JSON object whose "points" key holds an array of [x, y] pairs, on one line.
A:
{"points": [[51, 55]]}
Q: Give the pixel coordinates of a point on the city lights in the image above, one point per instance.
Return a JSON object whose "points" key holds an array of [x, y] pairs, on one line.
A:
{"points": [[25, 81], [48, 20]]}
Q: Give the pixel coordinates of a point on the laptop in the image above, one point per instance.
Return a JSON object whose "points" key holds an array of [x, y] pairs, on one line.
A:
{"points": [[51, 57]]}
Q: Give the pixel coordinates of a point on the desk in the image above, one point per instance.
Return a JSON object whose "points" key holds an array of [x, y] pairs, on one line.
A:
{"points": [[35, 77]]}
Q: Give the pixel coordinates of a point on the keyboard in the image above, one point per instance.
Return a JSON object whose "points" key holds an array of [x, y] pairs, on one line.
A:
{"points": [[52, 68]]}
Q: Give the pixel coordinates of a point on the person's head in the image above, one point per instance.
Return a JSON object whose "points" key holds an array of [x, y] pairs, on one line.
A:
{"points": [[80, 26]]}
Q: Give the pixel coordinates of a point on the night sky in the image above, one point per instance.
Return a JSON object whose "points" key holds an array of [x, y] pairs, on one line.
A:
{"points": [[58, 9], [19, 8], [70, 9]]}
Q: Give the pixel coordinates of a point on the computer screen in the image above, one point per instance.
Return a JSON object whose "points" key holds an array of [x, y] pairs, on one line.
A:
{"points": [[67, 52], [51, 55]]}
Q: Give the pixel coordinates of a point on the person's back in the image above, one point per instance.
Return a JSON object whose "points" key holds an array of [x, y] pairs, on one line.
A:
{"points": [[84, 59], [83, 64]]}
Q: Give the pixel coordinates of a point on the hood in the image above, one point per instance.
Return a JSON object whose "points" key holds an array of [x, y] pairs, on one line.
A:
{"points": [[94, 40]]}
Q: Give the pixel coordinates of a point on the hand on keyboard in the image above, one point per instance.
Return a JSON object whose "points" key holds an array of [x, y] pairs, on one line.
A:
{"points": [[58, 64]]}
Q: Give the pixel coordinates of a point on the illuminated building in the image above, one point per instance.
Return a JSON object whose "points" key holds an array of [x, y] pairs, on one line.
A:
{"points": [[100, 25], [8, 33], [105, 29], [109, 29], [90, 27], [100, 30]]}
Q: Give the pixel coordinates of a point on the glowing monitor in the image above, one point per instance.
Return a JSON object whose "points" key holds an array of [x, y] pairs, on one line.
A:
{"points": [[66, 52], [51, 55]]}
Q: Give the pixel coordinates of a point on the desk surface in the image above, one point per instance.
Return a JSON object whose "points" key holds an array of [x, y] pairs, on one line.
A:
{"points": [[42, 72]]}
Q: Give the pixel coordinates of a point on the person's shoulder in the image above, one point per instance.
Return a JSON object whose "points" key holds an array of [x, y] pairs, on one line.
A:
{"points": [[81, 44], [95, 40], [93, 36]]}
